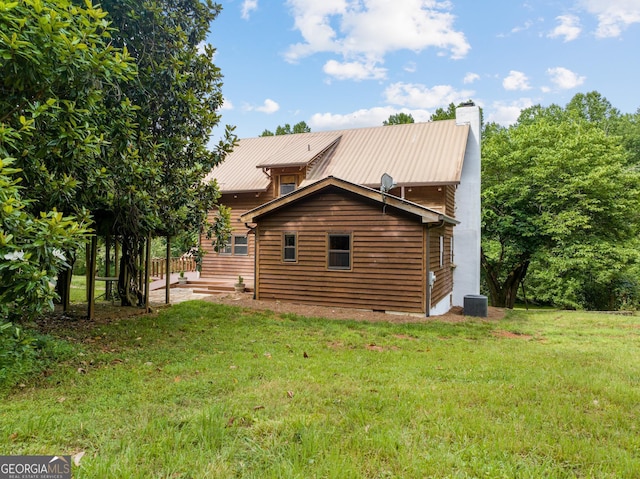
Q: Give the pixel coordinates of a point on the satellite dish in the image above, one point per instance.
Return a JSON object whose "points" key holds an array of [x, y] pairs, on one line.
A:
{"points": [[386, 183]]}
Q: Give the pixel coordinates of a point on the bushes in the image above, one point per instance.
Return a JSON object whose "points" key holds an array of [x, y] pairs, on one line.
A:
{"points": [[32, 251]]}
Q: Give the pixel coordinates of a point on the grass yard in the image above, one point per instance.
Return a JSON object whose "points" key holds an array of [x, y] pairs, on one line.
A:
{"points": [[78, 292], [205, 390]]}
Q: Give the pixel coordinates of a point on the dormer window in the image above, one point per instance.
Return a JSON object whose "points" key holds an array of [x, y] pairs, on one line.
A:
{"points": [[287, 184], [286, 188]]}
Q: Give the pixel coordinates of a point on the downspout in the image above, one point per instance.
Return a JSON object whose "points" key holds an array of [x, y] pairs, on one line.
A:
{"points": [[252, 229]]}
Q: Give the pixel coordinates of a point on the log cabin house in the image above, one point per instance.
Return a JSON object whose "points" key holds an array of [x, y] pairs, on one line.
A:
{"points": [[312, 223]]}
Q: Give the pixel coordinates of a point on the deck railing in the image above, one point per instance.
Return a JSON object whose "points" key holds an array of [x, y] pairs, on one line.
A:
{"points": [[159, 266]]}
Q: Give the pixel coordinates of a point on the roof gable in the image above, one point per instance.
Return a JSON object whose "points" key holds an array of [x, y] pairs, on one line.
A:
{"points": [[300, 150], [427, 215]]}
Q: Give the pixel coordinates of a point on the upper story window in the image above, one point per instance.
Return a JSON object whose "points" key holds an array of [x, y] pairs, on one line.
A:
{"points": [[288, 184]]}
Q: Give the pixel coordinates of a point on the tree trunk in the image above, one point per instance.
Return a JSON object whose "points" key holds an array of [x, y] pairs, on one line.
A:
{"points": [[503, 294], [63, 287], [128, 284]]}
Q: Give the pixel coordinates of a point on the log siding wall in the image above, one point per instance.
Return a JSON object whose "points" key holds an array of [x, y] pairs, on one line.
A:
{"points": [[387, 268], [225, 265]]}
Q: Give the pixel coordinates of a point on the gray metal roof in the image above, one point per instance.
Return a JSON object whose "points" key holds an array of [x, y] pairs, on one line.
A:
{"points": [[413, 154]]}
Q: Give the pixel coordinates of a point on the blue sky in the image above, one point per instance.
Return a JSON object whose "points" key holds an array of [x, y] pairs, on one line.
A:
{"points": [[351, 63]]}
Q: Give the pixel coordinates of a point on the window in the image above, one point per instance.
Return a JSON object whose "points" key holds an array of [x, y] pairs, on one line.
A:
{"points": [[287, 184], [339, 251], [286, 188], [441, 251], [237, 245], [289, 253], [240, 245]]}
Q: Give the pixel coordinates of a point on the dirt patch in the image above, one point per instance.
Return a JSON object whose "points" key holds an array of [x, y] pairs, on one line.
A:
{"points": [[455, 315], [106, 311], [374, 347], [511, 335]]}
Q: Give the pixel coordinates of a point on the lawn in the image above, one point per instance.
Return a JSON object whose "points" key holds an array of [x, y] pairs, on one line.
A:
{"points": [[78, 291], [205, 390]]}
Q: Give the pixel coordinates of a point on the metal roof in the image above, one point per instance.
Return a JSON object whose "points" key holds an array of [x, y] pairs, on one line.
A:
{"points": [[413, 154], [299, 150]]}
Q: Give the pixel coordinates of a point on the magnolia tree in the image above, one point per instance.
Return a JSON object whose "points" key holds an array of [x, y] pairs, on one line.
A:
{"points": [[177, 94], [56, 66], [33, 249]]}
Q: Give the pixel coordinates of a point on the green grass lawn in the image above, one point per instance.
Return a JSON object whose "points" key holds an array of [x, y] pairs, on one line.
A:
{"points": [[205, 390], [78, 292]]}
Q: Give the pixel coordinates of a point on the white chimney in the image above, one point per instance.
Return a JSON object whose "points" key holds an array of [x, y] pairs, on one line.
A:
{"points": [[466, 245]]}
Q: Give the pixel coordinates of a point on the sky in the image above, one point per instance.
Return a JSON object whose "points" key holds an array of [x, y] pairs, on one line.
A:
{"points": [[339, 64]]}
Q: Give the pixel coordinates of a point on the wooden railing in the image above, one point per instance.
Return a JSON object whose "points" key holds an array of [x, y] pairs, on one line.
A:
{"points": [[159, 266]]}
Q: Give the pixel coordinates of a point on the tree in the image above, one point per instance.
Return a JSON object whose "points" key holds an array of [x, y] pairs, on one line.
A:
{"points": [[300, 127], [399, 119], [32, 250], [442, 114], [60, 121], [557, 191], [57, 67], [177, 94], [450, 112]]}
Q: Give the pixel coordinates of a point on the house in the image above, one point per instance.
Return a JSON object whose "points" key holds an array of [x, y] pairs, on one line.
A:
{"points": [[313, 224]]}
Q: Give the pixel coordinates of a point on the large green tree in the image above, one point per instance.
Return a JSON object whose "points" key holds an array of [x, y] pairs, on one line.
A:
{"points": [[558, 193], [57, 67], [157, 186]]}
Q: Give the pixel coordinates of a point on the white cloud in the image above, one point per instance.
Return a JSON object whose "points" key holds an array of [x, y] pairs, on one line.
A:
{"points": [[226, 104], [613, 15], [565, 79], [362, 118], [506, 114], [247, 7], [470, 78], [569, 28], [354, 70], [367, 30], [527, 25], [516, 81], [269, 106], [415, 95], [520, 28], [411, 67]]}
